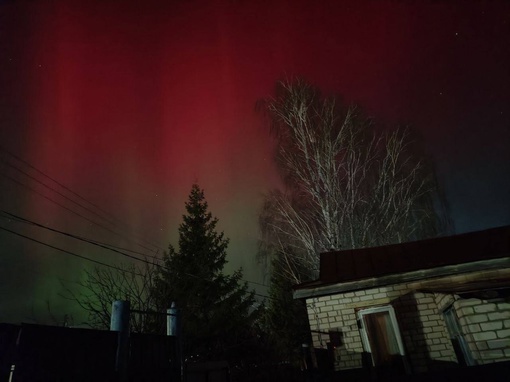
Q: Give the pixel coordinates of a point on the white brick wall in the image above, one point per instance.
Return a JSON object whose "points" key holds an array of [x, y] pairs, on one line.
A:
{"points": [[422, 328], [443, 300], [424, 331], [486, 326], [341, 318]]}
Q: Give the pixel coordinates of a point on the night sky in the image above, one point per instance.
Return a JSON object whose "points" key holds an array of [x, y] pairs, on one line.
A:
{"points": [[127, 103]]}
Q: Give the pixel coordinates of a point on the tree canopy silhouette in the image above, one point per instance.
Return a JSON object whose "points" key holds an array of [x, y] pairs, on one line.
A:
{"points": [[347, 185], [216, 309]]}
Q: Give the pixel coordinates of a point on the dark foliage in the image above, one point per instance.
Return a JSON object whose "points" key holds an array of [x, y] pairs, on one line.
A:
{"points": [[286, 319], [216, 309]]}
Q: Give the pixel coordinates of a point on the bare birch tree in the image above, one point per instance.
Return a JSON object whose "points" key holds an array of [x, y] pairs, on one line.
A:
{"points": [[101, 286], [346, 185]]}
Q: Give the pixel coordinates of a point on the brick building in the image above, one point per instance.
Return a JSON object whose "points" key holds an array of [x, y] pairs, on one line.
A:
{"points": [[414, 307]]}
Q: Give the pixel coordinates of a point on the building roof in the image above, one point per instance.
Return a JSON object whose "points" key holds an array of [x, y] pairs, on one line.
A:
{"points": [[419, 258]]}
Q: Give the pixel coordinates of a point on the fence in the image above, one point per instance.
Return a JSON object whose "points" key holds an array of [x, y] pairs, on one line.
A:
{"points": [[47, 353]]}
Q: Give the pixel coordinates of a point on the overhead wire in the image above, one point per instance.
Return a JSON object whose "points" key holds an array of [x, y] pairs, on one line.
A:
{"points": [[52, 179], [81, 238], [56, 191], [90, 241], [69, 252], [71, 210], [27, 221], [103, 212]]}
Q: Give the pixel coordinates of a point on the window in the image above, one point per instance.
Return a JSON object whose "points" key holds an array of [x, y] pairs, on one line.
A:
{"points": [[381, 337], [458, 341]]}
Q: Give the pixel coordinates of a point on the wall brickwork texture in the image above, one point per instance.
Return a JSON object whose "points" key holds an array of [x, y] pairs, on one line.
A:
{"points": [[485, 325]]}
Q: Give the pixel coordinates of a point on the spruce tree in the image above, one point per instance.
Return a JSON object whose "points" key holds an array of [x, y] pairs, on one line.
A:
{"points": [[216, 309]]}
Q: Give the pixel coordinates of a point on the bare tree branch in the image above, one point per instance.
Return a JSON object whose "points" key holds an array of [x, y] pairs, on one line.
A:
{"points": [[347, 186], [102, 286]]}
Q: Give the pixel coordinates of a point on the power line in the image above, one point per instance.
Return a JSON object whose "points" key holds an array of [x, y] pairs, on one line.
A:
{"points": [[112, 218], [102, 245], [112, 266], [69, 252], [57, 192], [256, 283], [105, 246], [27, 221], [71, 211], [91, 241], [55, 181]]}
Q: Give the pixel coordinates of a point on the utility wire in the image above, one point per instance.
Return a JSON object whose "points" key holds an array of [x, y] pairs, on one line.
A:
{"points": [[55, 181], [69, 252], [105, 213], [71, 211], [20, 219], [256, 283], [27, 221], [56, 191], [102, 245]]}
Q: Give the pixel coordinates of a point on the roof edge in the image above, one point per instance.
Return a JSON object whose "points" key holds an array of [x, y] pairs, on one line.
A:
{"points": [[398, 278]]}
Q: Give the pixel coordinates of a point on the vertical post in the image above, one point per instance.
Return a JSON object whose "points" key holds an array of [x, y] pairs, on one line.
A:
{"points": [[171, 321], [172, 329], [120, 323]]}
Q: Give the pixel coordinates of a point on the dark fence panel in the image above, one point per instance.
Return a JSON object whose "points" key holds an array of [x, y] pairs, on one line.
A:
{"points": [[208, 372], [153, 358], [49, 353], [8, 336]]}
